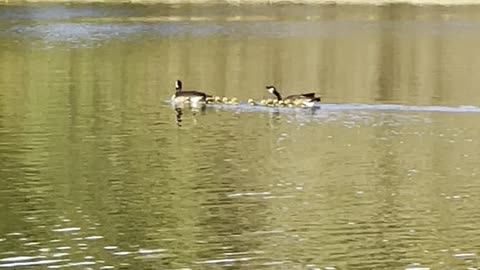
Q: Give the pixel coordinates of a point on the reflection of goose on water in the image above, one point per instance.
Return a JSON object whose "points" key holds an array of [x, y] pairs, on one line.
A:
{"points": [[180, 109], [181, 96], [307, 99]]}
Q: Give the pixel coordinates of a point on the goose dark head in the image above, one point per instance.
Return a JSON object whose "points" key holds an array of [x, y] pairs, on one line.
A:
{"points": [[178, 85], [272, 90]]}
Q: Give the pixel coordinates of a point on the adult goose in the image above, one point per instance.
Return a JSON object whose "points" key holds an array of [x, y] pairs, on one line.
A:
{"points": [[181, 96], [307, 99]]}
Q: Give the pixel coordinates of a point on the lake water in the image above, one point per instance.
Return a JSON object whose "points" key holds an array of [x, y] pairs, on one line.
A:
{"points": [[97, 171]]}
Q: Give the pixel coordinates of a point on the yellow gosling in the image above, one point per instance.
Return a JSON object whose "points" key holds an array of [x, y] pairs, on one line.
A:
{"points": [[251, 102], [225, 100], [209, 99], [234, 101]]}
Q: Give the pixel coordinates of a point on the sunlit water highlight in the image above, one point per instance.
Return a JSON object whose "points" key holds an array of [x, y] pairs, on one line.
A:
{"points": [[319, 107]]}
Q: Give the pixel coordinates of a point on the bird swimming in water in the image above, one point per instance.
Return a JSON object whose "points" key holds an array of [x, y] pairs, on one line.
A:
{"points": [[307, 100], [191, 96]]}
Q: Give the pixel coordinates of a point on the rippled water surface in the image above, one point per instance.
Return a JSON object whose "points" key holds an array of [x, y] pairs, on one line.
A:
{"points": [[97, 171]]}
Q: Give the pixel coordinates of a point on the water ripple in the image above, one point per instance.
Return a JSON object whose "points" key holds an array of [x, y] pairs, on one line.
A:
{"points": [[33, 263]]}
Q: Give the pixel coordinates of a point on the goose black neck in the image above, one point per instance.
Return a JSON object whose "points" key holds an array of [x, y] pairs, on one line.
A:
{"points": [[275, 92], [178, 86]]}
